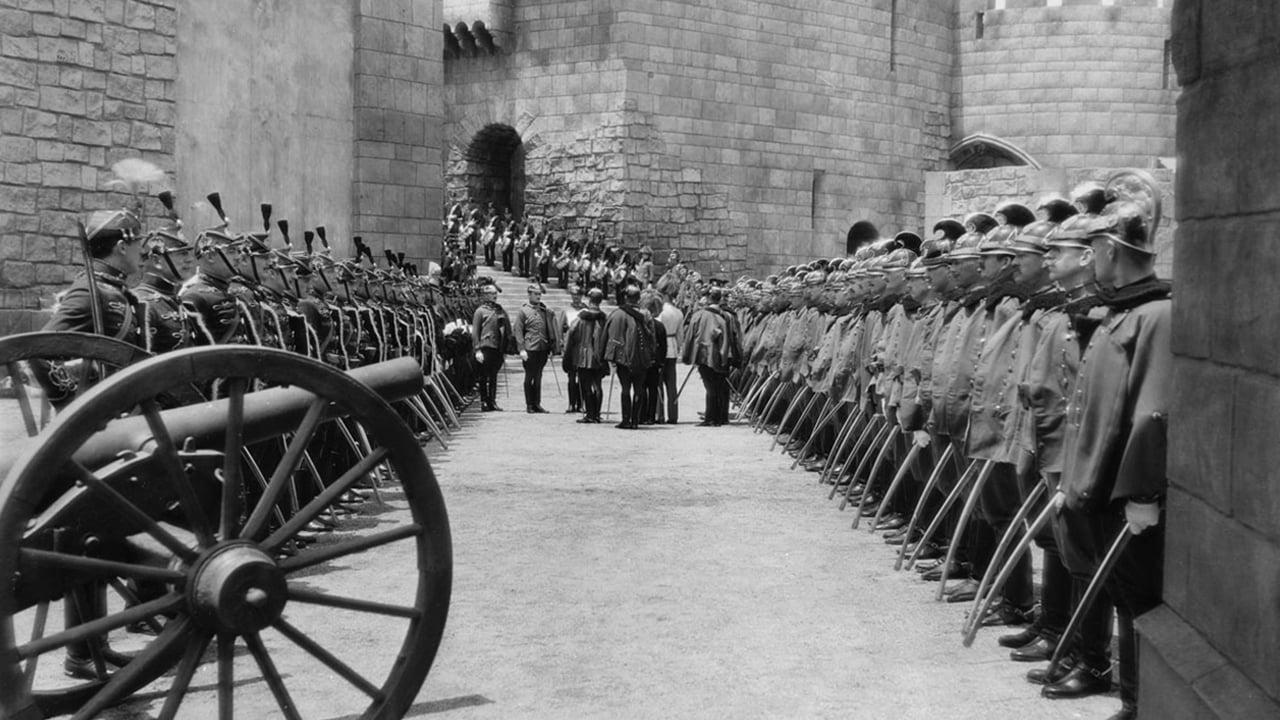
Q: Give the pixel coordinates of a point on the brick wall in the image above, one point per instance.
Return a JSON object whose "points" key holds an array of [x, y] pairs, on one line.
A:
{"points": [[1212, 650], [82, 84], [959, 192], [397, 189], [1079, 85]]}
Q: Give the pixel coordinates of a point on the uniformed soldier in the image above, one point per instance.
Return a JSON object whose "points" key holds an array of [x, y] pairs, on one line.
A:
{"points": [[490, 332], [207, 294], [537, 336], [166, 324]]}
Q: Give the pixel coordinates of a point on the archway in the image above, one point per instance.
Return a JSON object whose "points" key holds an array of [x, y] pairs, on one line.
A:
{"points": [[495, 168], [979, 151]]}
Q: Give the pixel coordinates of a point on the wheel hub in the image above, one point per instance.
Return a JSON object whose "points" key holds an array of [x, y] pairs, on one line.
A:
{"points": [[236, 588]]}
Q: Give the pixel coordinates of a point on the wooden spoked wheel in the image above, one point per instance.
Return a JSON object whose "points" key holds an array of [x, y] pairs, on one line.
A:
{"points": [[117, 491]]}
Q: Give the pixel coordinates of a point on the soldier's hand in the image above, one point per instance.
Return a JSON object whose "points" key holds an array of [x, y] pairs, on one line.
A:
{"points": [[479, 356], [1141, 515], [524, 356], [920, 438]]}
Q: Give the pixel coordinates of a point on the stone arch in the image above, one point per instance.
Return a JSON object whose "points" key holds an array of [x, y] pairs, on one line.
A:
{"points": [[980, 151], [492, 167]]}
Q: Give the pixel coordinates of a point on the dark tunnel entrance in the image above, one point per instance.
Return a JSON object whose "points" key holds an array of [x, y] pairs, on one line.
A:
{"points": [[495, 169]]}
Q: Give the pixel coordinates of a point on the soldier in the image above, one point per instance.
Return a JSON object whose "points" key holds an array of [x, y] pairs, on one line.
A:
{"points": [[644, 270], [207, 294], [627, 342], [537, 335], [583, 355], [101, 304], [490, 332], [566, 319], [673, 322], [1113, 473], [166, 324]]}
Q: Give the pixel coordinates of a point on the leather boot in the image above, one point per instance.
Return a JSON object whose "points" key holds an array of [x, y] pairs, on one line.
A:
{"points": [[1082, 681]]}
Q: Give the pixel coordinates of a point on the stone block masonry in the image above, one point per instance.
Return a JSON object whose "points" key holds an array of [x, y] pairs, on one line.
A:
{"points": [[82, 85]]}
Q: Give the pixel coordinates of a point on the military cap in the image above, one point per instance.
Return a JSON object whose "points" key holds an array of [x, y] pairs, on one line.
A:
{"points": [[166, 241], [979, 222], [105, 228], [815, 277], [899, 259], [917, 268], [934, 252], [1015, 214], [966, 246], [535, 286]]}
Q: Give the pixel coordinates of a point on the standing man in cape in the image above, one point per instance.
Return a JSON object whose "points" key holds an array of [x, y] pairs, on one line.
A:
{"points": [[583, 355], [628, 344], [715, 347]]}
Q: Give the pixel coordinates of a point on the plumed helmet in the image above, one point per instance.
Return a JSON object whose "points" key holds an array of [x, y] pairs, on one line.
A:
{"points": [[934, 252], [979, 222], [1089, 197], [1133, 212], [917, 269], [1072, 232], [908, 240], [999, 241], [1034, 238], [899, 259], [966, 246], [814, 278], [948, 228], [1015, 214], [1055, 208]]}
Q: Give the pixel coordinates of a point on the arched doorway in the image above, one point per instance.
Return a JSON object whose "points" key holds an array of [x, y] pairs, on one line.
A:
{"points": [[495, 168]]}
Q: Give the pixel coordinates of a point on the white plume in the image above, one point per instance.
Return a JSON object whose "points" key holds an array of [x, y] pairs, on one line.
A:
{"points": [[132, 173]]}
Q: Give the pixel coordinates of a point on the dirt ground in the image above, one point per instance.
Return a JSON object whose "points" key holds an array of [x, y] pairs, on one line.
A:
{"points": [[667, 572]]}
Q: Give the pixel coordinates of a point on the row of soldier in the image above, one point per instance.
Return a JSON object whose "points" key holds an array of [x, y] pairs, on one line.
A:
{"points": [[237, 288], [538, 254], [640, 340], [1004, 385]]}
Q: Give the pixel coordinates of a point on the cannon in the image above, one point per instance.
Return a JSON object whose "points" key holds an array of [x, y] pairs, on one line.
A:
{"points": [[143, 485]]}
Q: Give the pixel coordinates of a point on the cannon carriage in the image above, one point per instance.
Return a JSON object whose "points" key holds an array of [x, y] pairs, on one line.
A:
{"points": [[154, 514]]}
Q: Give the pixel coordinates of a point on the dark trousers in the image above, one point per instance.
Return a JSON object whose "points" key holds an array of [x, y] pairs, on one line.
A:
{"points": [[652, 394], [1000, 500], [717, 386], [575, 392], [507, 256], [592, 394], [632, 388], [488, 379], [671, 389], [489, 255], [533, 377], [1080, 537]]}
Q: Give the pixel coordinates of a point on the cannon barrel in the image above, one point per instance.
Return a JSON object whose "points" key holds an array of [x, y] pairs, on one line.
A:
{"points": [[267, 413]]}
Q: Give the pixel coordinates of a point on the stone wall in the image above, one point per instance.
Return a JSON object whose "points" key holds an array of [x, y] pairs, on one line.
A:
{"points": [[264, 101], [1080, 85], [959, 192], [397, 187], [82, 85], [1212, 650]]}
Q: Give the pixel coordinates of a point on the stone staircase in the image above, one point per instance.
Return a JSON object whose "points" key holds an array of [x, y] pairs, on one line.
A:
{"points": [[513, 291]]}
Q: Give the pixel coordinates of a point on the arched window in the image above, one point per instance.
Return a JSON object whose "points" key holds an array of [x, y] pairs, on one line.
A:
{"points": [[987, 151]]}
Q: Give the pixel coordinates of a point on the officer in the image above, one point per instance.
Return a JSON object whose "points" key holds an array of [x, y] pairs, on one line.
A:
{"points": [[537, 334], [583, 357], [1113, 471], [490, 331]]}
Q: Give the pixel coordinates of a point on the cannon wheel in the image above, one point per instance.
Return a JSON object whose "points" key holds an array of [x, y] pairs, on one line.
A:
{"points": [[225, 581], [111, 353]]}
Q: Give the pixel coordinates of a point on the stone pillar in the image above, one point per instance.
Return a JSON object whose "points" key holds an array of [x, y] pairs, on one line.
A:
{"points": [[1213, 649], [398, 189]]}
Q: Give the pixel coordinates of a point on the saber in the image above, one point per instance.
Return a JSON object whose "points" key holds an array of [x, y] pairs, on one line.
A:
{"points": [[894, 484], [924, 497], [813, 398], [684, 382], [942, 512], [824, 416], [835, 459], [1006, 540], [965, 513], [838, 442], [763, 418], [894, 430], [983, 603], [882, 430], [786, 415], [608, 408], [1091, 594], [873, 424]]}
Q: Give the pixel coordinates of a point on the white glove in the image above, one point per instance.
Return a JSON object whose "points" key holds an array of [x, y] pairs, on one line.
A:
{"points": [[921, 438], [524, 355], [479, 356], [1142, 515]]}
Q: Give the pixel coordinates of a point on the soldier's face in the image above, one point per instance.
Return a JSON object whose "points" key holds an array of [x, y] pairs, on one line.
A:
{"points": [[939, 278], [129, 254], [992, 265], [1065, 264], [965, 271], [1030, 268]]}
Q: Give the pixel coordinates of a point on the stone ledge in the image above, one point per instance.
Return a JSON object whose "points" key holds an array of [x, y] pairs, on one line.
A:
{"points": [[1183, 676]]}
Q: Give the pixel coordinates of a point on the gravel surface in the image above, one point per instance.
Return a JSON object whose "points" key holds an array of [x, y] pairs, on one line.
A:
{"points": [[665, 572]]}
